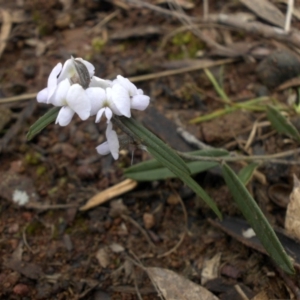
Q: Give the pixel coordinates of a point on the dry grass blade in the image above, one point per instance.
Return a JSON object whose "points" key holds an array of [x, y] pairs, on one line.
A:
{"points": [[5, 30], [114, 191]]}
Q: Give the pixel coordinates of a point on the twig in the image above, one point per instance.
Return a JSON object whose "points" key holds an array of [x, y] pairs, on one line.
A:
{"points": [[288, 18], [205, 9], [49, 206], [137, 287], [6, 28], [191, 139], [138, 226], [241, 292], [197, 66], [273, 158], [159, 9], [185, 229], [25, 240]]}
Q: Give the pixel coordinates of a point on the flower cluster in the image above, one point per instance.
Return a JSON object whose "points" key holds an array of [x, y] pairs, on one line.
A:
{"points": [[75, 89]]}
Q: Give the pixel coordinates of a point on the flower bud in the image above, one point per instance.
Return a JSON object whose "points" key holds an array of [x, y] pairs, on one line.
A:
{"points": [[83, 77]]}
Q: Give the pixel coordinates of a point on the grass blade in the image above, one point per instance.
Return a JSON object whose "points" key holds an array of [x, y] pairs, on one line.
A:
{"points": [[282, 124], [256, 219], [42, 122]]}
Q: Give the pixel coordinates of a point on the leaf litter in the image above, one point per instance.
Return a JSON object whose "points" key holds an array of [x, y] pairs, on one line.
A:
{"points": [[78, 255]]}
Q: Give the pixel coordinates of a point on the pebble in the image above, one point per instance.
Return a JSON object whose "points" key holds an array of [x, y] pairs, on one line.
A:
{"points": [[277, 68], [21, 289], [149, 220]]}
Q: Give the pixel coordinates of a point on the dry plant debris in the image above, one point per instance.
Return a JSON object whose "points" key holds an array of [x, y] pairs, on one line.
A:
{"points": [[58, 247]]}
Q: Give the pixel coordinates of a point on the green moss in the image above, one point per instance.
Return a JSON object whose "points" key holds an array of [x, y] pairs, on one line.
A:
{"points": [[53, 191], [41, 170], [98, 44], [33, 228], [43, 26], [186, 44], [33, 158]]}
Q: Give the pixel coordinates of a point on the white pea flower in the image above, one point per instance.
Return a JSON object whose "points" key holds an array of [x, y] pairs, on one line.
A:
{"points": [[115, 101], [67, 88], [112, 144], [44, 95], [138, 100]]}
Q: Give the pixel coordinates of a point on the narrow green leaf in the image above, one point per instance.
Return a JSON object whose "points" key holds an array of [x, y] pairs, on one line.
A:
{"points": [[150, 140], [153, 170], [160, 172], [282, 124], [246, 173], [256, 219], [168, 158], [42, 122]]}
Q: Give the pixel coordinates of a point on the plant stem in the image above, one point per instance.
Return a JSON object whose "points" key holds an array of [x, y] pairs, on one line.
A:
{"points": [[273, 158]]}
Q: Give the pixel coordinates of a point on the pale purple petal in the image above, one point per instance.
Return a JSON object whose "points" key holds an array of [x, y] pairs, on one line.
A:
{"points": [[121, 99], [97, 97], [113, 141], [103, 148], [89, 66], [99, 114], [140, 102], [127, 84], [98, 82], [60, 95], [65, 116], [52, 80], [79, 101], [42, 96]]}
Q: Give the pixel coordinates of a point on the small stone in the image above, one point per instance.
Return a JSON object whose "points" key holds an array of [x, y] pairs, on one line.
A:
{"points": [[21, 289], [277, 68], [149, 220], [173, 199], [13, 228], [63, 20]]}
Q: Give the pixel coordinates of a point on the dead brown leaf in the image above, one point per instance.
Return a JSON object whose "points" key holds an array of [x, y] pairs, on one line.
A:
{"points": [[211, 268], [5, 29], [261, 296], [112, 192], [266, 10], [174, 287], [292, 222], [29, 270]]}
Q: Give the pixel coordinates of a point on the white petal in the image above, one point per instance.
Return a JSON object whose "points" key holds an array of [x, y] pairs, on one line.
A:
{"points": [[108, 114], [110, 102], [42, 96], [127, 84], [103, 148], [60, 95], [121, 99], [113, 141], [97, 97], [68, 70], [99, 114], [88, 65], [98, 82], [52, 80], [79, 101], [140, 102], [65, 116]]}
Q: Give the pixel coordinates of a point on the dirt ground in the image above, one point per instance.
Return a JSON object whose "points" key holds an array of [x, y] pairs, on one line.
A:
{"points": [[50, 248]]}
